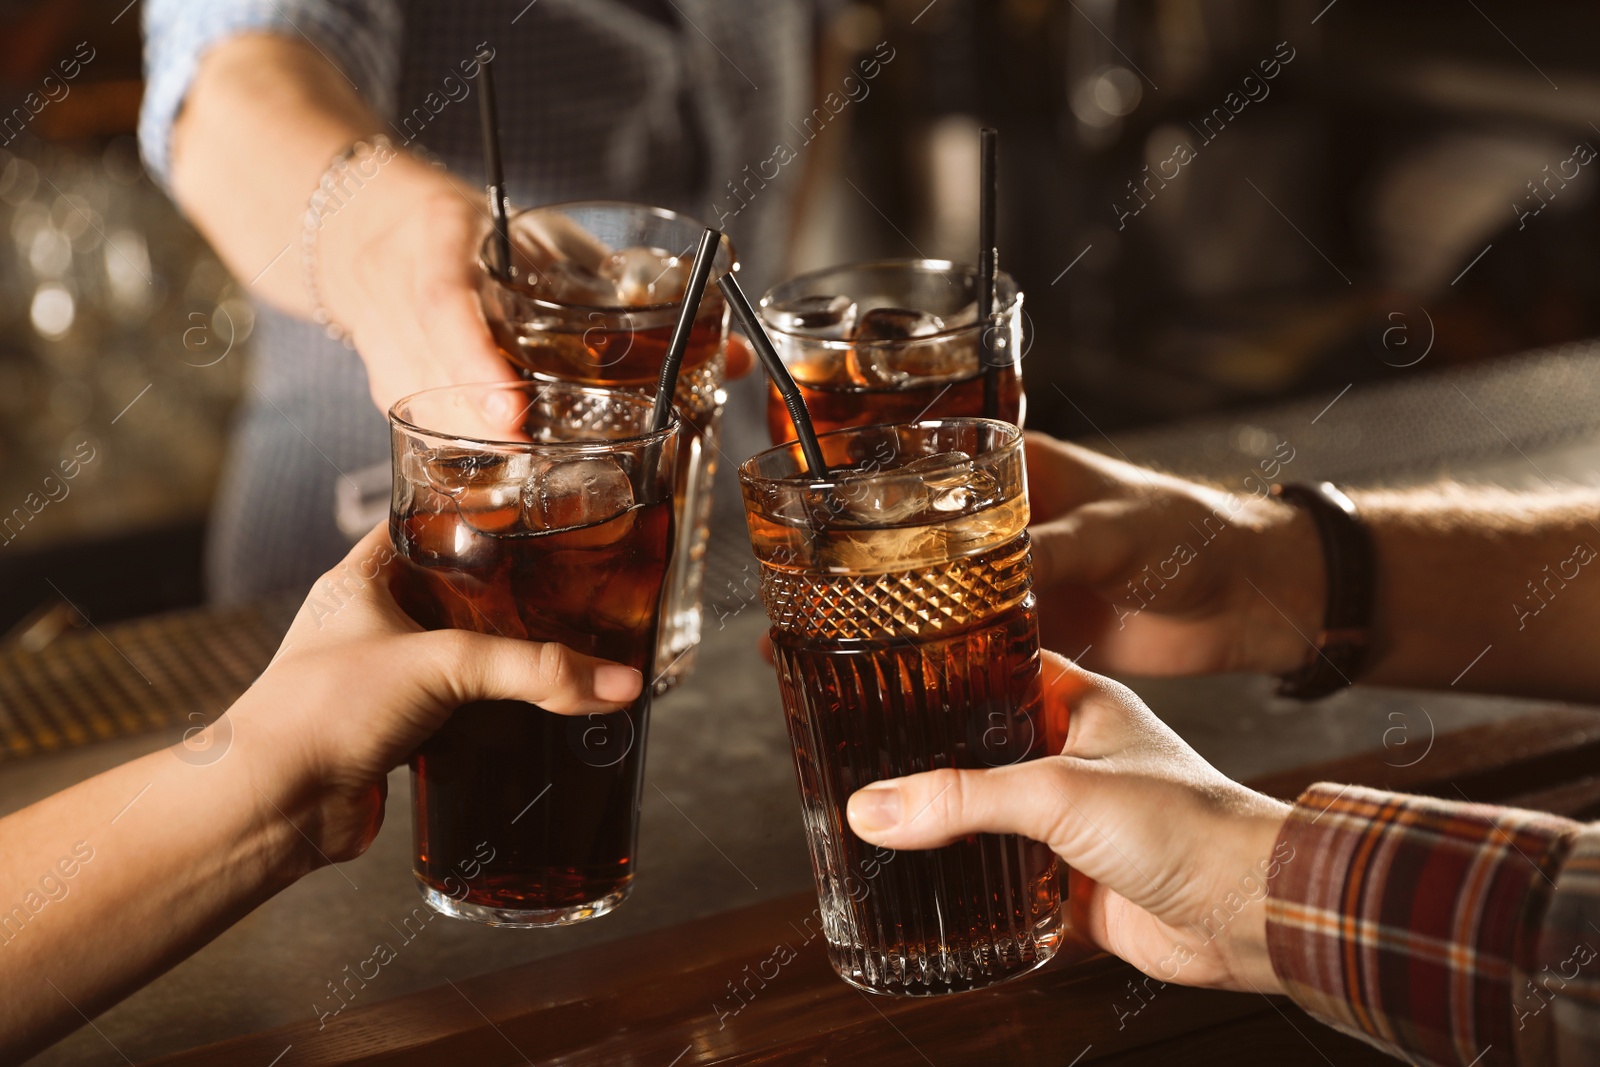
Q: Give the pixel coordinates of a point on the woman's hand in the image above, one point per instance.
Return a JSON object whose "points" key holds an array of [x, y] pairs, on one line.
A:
{"points": [[398, 268], [1151, 574], [1170, 858], [357, 686], [397, 253]]}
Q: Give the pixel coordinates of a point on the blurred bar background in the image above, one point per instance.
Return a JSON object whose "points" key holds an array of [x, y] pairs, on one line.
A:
{"points": [[1209, 206], [107, 298]]}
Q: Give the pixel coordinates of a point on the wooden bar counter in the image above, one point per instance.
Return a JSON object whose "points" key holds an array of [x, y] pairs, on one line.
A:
{"points": [[712, 992]]}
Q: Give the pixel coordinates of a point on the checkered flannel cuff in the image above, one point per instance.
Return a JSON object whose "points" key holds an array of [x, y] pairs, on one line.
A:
{"points": [[1410, 922]]}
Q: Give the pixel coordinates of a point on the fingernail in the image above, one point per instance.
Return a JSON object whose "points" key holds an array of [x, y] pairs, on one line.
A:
{"points": [[617, 683], [877, 807]]}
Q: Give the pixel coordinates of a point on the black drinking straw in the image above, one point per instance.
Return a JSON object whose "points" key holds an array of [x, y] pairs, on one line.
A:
{"points": [[666, 388], [778, 373], [488, 115], [988, 265]]}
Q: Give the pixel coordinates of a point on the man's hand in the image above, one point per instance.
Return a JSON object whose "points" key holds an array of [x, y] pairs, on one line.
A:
{"points": [[1170, 858], [1156, 575]]}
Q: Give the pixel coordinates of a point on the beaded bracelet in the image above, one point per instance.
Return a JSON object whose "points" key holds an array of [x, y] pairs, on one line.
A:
{"points": [[362, 159]]}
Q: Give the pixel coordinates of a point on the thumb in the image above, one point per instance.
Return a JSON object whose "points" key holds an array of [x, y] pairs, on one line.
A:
{"points": [[468, 666], [937, 807]]}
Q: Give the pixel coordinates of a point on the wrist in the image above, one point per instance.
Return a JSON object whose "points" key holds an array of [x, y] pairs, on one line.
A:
{"points": [[332, 797], [282, 785], [1249, 960], [371, 199], [1282, 593]]}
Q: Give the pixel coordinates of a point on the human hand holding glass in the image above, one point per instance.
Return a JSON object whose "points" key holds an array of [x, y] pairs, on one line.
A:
{"points": [[1158, 840], [560, 531], [398, 269], [352, 648], [291, 779]]}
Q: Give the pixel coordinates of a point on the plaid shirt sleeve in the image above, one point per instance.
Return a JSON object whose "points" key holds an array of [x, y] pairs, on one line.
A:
{"points": [[1442, 932], [359, 37]]}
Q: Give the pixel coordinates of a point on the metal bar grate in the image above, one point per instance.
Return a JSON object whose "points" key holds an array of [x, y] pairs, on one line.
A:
{"points": [[181, 669]]}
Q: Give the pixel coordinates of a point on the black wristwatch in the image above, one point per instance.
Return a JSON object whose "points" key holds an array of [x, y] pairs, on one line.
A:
{"points": [[1352, 582]]}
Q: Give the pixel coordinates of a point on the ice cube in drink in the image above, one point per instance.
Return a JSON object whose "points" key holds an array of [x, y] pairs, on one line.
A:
{"points": [[830, 317], [565, 494], [646, 276], [896, 324], [911, 350]]}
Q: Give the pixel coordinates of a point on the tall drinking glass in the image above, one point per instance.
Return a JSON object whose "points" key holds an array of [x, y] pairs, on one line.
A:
{"points": [[899, 590], [604, 316], [543, 511], [894, 341]]}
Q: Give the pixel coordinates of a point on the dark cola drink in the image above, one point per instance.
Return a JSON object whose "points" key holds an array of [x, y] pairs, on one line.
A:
{"points": [[571, 549], [594, 298], [836, 398], [892, 342], [906, 639], [947, 919]]}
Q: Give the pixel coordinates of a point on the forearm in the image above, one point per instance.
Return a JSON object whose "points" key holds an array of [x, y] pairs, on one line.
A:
{"points": [[1466, 573], [264, 117], [108, 884], [113, 881], [1480, 589]]}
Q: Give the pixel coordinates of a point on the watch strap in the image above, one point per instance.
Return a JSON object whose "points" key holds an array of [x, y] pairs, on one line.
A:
{"points": [[1350, 564]]}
